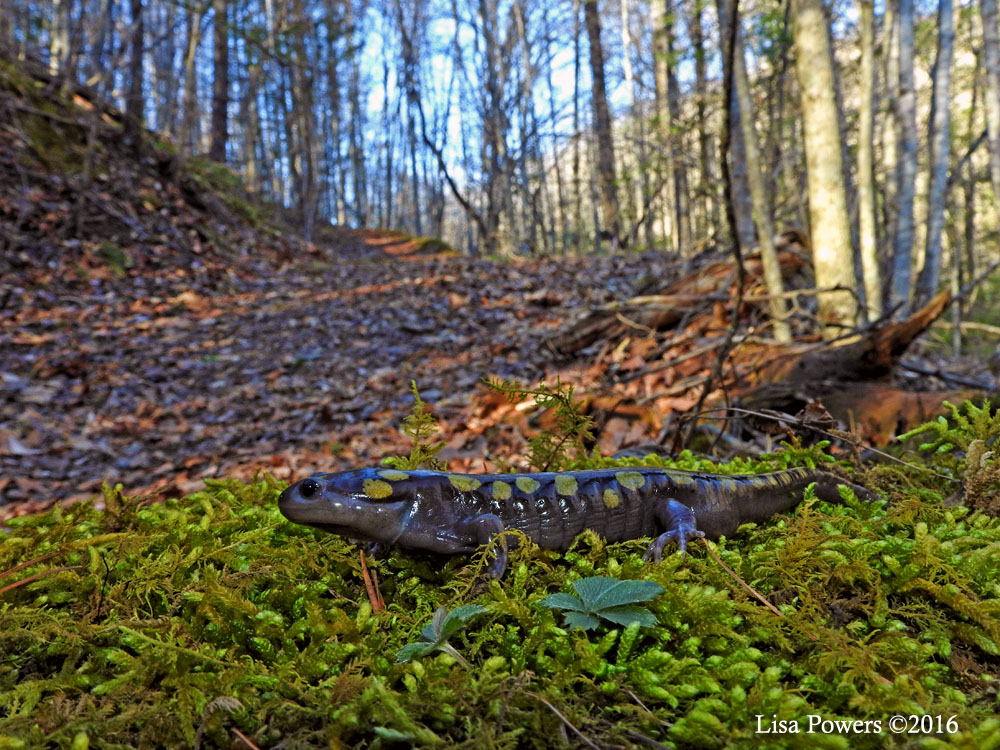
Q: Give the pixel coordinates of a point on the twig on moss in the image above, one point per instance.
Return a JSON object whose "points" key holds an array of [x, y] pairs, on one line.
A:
{"points": [[563, 719], [371, 585], [749, 588], [29, 579], [27, 563]]}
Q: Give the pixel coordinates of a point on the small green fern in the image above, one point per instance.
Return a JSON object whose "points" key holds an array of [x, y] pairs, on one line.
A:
{"points": [[420, 426], [966, 446], [552, 450]]}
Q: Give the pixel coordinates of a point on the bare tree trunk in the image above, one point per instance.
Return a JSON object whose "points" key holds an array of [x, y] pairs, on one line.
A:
{"points": [[638, 127], [906, 114], [831, 230], [220, 83], [991, 96], [890, 134], [633, 193], [742, 208], [561, 219], [356, 148], [758, 194], [305, 155], [969, 184], [335, 167], [58, 35], [661, 78], [709, 216], [940, 145], [866, 172], [679, 184], [577, 193], [135, 103], [254, 173], [610, 229], [166, 117], [190, 135]]}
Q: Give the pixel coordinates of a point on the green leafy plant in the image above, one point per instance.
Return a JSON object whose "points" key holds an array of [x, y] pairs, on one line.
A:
{"points": [[968, 423], [552, 450], [606, 598], [435, 634], [421, 426], [966, 446]]}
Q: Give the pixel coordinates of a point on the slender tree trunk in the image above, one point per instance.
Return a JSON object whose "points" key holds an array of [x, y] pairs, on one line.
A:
{"points": [[220, 83], [679, 184], [135, 103], [709, 220], [661, 76], [831, 230], [610, 228], [190, 136], [906, 114], [356, 148], [634, 194], [890, 132], [561, 219], [577, 193], [166, 120], [991, 96], [305, 155], [940, 145], [742, 208], [255, 180], [758, 194], [58, 35], [336, 163], [969, 184], [638, 127], [866, 172]]}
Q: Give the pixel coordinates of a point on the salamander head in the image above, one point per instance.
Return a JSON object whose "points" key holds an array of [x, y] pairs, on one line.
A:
{"points": [[356, 504]]}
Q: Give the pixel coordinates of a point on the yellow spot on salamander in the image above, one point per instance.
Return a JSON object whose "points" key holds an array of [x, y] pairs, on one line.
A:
{"points": [[611, 499], [728, 485], [464, 484], [501, 490], [630, 480], [681, 479], [393, 475], [376, 489], [566, 485], [527, 485]]}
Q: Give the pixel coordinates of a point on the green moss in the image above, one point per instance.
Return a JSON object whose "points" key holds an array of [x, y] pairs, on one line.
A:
{"points": [[227, 186], [55, 140], [433, 245], [175, 623]]}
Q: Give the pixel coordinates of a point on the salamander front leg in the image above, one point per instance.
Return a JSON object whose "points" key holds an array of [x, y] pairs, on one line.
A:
{"points": [[680, 524], [483, 529]]}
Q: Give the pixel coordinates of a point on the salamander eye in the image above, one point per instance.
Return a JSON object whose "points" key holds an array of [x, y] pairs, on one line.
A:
{"points": [[309, 488]]}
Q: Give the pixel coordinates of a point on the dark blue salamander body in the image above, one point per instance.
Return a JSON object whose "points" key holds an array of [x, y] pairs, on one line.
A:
{"points": [[454, 513]]}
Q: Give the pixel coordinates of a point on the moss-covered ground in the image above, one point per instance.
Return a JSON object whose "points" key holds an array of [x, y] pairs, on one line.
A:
{"points": [[207, 619]]}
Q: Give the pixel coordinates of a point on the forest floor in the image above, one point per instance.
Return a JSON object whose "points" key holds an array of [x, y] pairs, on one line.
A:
{"points": [[159, 381]]}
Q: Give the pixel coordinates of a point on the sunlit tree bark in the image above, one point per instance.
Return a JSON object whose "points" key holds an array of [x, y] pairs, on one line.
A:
{"points": [[831, 231], [866, 172], [758, 194], [940, 146], [906, 172]]}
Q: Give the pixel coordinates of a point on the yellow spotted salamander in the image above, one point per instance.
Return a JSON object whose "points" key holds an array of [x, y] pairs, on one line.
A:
{"points": [[454, 513]]}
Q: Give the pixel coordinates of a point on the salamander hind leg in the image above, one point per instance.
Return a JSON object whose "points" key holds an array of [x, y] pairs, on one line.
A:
{"points": [[680, 524], [483, 529]]}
